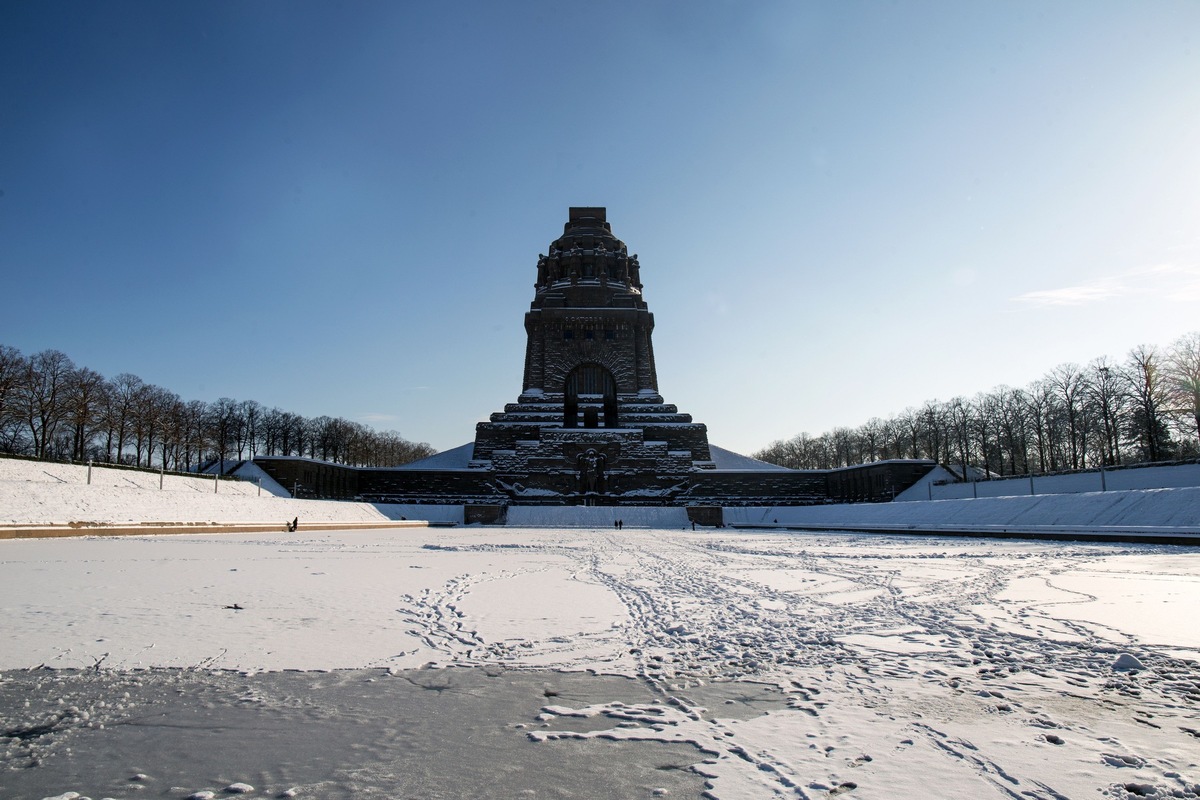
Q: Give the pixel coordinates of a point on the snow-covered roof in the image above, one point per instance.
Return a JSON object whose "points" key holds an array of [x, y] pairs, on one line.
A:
{"points": [[727, 459], [455, 458]]}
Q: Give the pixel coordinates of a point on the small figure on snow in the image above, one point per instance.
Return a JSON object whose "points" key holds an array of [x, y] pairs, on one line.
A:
{"points": [[234, 607], [291, 526]]}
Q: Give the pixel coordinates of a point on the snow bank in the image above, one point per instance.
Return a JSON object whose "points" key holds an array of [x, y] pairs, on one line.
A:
{"points": [[1162, 508], [37, 493], [1125, 478], [22, 470]]}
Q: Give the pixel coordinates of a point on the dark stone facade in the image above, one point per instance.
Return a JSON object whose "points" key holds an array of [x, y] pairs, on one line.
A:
{"points": [[589, 426], [874, 482]]}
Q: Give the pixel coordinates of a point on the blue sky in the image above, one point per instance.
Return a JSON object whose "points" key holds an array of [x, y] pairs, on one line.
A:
{"points": [[841, 209]]}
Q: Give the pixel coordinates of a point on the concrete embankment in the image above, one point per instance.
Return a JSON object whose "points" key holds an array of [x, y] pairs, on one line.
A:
{"points": [[1153, 515]]}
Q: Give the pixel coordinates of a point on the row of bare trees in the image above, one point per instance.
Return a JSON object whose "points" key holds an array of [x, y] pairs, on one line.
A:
{"points": [[51, 408], [1143, 409]]}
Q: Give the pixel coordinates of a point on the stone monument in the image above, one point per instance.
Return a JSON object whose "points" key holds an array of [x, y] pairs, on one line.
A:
{"points": [[589, 426]]}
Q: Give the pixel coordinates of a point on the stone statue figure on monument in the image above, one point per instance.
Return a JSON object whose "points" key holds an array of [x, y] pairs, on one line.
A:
{"points": [[591, 471]]}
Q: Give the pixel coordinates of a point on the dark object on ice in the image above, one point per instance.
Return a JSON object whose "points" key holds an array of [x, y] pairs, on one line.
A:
{"points": [[291, 526], [33, 731], [235, 607]]}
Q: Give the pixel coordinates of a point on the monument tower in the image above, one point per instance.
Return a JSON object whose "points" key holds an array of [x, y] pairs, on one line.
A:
{"points": [[589, 425]]}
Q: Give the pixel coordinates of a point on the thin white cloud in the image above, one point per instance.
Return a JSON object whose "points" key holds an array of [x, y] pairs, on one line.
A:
{"points": [[1091, 292], [1169, 281]]}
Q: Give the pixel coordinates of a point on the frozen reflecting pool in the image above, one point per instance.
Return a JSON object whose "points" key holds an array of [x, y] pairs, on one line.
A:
{"points": [[591, 663]]}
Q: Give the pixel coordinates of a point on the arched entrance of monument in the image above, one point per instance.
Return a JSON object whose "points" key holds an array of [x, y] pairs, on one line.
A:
{"points": [[590, 391]]}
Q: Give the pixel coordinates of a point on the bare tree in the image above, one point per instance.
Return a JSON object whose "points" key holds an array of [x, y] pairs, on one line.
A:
{"points": [[960, 420], [42, 397], [1013, 437], [151, 418], [1183, 379], [248, 432], [142, 421], [1148, 392], [223, 422], [194, 438], [172, 430], [841, 441], [85, 402], [1068, 382], [12, 368], [910, 423], [270, 428], [118, 413], [871, 440], [934, 431], [985, 426], [1042, 411], [1106, 390]]}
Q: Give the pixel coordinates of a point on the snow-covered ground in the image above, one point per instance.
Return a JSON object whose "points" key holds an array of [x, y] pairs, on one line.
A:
{"points": [[38, 493], [787, 664]]}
